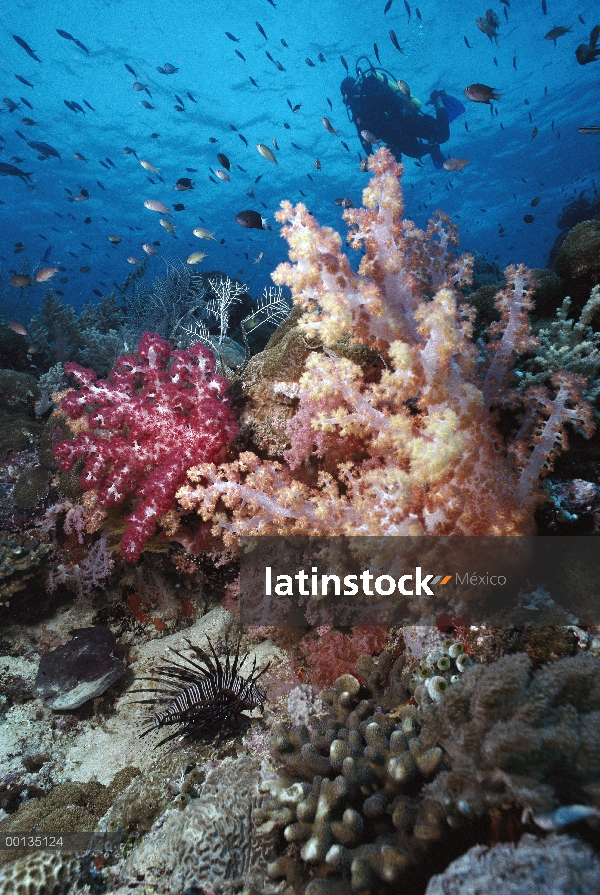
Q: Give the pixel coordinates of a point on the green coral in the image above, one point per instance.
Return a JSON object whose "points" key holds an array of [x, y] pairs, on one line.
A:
{"points": [[567, 344]]}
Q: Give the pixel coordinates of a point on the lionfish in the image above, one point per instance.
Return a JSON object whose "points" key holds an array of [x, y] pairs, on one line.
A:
{"points": [[204, 697]]}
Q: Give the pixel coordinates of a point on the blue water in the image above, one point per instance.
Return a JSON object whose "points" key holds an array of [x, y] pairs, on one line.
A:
{"points": [[547, 90]]}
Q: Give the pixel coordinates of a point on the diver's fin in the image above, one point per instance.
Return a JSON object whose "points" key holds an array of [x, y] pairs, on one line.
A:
{"points": [[453, 106], [437, 156]]}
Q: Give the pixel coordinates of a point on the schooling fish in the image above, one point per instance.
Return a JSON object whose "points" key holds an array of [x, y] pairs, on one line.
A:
{"points": [[252, 220], [130, 70], [45, 149], [6, 169], [26, 47], [261, 29], [329, 126], [481, 93], [557, 32], [191, 97], [266, 153], [394, 40], [23, 81], [154, 205], [231, 37], [85, 102], [344, 63]]}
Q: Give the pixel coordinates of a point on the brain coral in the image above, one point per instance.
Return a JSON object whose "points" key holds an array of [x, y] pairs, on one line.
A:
{"points": [[44, 873]]}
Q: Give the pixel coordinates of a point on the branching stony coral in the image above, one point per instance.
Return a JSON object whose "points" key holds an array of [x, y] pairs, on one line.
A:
{"points": [[515, 737], [355, 817], [566, 344]]}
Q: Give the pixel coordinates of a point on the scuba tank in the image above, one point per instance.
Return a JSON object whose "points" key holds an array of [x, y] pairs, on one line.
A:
{"points": [[411, 103]]}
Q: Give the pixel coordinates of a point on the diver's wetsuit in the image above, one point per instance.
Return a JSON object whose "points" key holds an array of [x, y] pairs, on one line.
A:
{"points": [[387, 116]]}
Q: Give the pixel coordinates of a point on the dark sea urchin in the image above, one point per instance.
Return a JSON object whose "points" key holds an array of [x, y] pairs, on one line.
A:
{"points": [[205, 699]]}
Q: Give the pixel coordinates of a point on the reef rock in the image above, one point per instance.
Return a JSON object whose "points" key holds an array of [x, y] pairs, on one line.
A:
{"points": [[559, 864], [79, 670]]}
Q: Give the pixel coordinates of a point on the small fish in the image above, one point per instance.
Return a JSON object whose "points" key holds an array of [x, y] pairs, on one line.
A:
{"points": [[418, 14], [328, 126], [133, 260], [28, 121], [149, 249], [544, 7], [252, 220], [154, 205], [115, 239], [266, 153], [17, 328], [492, 18], [481, 93], [407, 8], [102, 187], [179, 207], [191, 97], [467, 43], [261, 29], [330, 104], [20, 281], [388, 6], [252, 81], [22, 43], [146, 104], [179, 100], [278, 65], [222, 175], [536, 201], [259, 257], [557, 32], [85, 103], [534, 133], [284, 44], [26, 102], [81, 46], [345, 145], [317, 165], [586, 53], [104, 165], [243, 139], [455, 164], [148, 166], [241, 55], [10, 104], [514, 63], [528, 218], [309, 62], [487, 29], [581, 19], [23, 81], [45, 149], [202, 233], [46, 273], [231, 37], [589, 129], [167, 225], [321, 58], [130, 70], [184, 183], [368, 137], [196, 258], [129, 151], [274, 142], [64, 34], [169, 69], [394, 40], [376, 51], [344, 63], [495, 61]]}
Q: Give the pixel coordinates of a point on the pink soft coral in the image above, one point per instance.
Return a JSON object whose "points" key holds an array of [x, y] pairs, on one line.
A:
{"points": [[158, 414], [335, 653]]}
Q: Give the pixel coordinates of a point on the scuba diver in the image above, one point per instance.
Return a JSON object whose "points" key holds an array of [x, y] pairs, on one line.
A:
{"points": [[384, 111]]}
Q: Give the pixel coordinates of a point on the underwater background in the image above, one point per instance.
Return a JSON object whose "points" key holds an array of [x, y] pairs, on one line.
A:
{"points": [[540, 83], [229, 342]]}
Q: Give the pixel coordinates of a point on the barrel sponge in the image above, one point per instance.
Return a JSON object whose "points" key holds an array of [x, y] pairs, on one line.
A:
{"points": [[504, 729]]}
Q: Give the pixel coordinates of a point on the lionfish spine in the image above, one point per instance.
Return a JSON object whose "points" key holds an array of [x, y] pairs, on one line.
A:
{"points": [[205, 696]]}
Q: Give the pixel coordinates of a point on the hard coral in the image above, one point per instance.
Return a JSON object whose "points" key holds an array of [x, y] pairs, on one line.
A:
{"points": [[156, 415], [353, 816]]}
